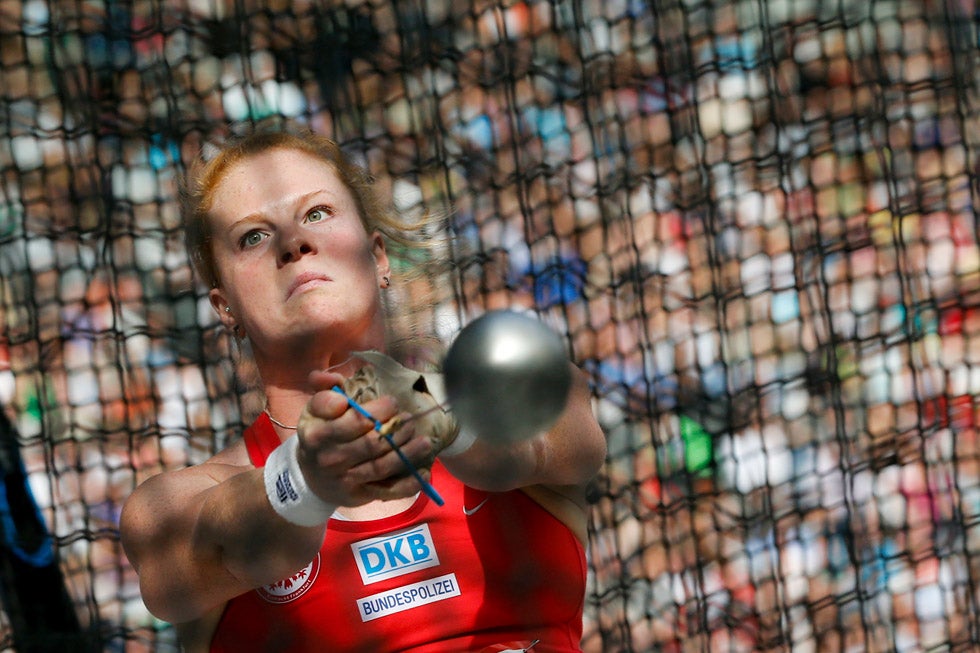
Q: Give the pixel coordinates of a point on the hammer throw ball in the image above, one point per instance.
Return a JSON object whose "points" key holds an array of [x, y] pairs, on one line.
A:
{"points": [[507, 376]]}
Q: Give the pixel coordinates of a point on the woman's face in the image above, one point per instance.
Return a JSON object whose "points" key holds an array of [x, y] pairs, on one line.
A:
{"points": [[296, 266]]}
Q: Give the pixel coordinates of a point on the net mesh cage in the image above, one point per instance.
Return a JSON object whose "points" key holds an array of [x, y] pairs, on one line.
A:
{"points": [[752, 222]]}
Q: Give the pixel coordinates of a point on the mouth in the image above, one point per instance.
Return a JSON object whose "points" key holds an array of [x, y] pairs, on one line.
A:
{"points": [[305, 281]]}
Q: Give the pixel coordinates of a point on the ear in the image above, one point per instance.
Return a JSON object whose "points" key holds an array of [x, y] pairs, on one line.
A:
{"points": [[381, 262], [219, 304]]}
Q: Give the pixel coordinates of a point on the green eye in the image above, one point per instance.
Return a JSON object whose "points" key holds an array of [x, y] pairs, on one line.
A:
{"points": [[317, 214], [251, 239]]}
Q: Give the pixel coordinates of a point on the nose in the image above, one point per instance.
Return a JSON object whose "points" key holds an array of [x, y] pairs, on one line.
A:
{"points": [[294, 247]]}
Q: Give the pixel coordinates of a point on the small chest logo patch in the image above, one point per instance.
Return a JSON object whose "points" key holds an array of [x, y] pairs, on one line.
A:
{"points": [[291, 588], [395, 554]]}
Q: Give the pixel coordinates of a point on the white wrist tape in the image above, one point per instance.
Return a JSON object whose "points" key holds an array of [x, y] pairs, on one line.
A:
{"points": [[464, 440], [286, 488]]}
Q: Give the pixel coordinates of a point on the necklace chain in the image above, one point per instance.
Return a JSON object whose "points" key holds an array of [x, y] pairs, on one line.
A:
{"points": [[277, 422], [287, 426]]}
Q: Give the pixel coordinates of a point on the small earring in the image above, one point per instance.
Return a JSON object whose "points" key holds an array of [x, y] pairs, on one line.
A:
{"points": [[385, 282], [227, 309]]}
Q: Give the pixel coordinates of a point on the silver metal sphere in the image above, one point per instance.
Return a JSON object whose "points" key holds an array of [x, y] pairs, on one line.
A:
{"points": [[507, 376]]}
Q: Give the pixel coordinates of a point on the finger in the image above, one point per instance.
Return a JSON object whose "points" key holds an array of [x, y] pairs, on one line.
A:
{"points": [[347, 441], [332, 405], [376, 411], [401, 428], [397, 488], [324, 380], [389, 465], [372, 444], [333, 445], [327, 405]]}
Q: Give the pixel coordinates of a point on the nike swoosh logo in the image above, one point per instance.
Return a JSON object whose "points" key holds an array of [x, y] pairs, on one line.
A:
{"points": [[470, 511]]}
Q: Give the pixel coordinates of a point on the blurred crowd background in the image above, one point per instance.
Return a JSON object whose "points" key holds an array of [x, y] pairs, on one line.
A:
{"points": [[753, 222]]}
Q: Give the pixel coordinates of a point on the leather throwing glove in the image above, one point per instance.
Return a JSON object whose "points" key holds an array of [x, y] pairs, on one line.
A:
{"points": [[423, 394]]}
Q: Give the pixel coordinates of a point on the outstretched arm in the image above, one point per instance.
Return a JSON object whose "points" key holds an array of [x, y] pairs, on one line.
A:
{"points": [[568, 455], [200, 536]]}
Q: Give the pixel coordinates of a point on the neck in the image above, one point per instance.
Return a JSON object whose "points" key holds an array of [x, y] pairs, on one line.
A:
{"points": [[285, 427], [284, 364], [287, 363], [287, 390]]}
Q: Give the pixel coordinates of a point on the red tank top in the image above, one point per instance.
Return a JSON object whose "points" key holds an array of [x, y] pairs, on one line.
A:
{"points": [[486, 571]]}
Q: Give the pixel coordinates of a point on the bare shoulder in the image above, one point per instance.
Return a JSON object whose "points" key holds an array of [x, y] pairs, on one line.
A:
{"points": [[190, 480], [226, 461]]}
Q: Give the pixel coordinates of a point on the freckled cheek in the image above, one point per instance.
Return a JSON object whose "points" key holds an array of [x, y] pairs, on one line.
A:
{"points": [[237, 274], [245, 283], [353, 250]]}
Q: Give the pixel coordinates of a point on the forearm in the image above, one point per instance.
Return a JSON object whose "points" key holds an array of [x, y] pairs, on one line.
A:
{"points": [[498, 467], [254, 544], [570, 453], [203, 535]]}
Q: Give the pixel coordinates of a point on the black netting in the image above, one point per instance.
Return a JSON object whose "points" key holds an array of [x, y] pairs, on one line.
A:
{"points": [[753, 221]]}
